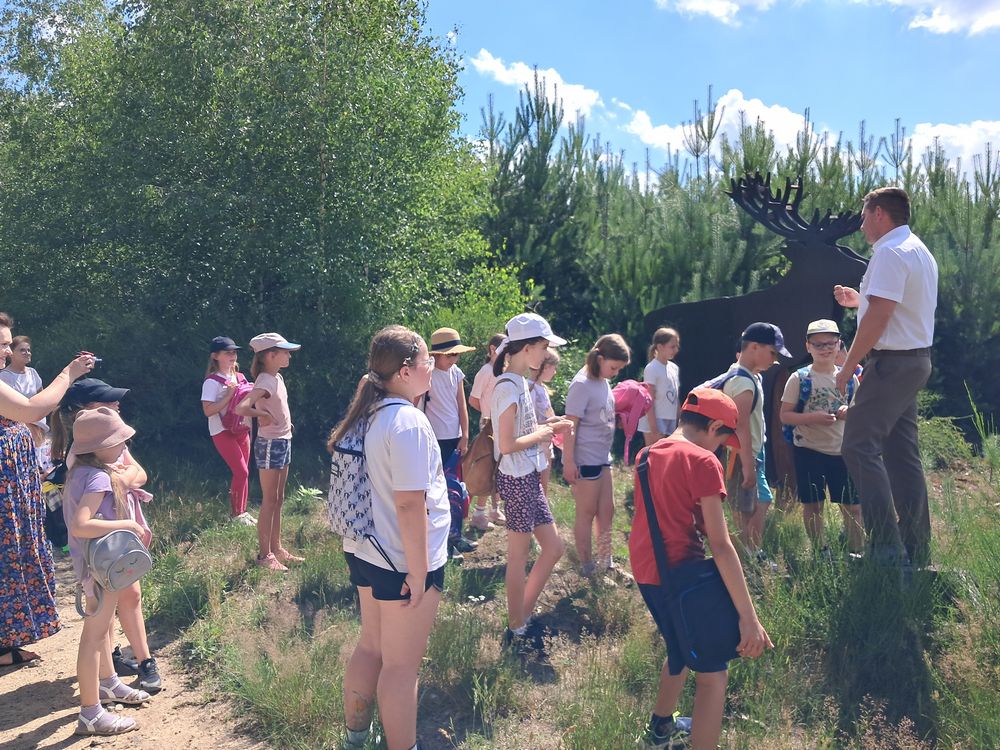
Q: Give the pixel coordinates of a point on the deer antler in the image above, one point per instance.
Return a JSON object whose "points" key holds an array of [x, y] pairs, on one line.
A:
{"points": [[774, 211]]}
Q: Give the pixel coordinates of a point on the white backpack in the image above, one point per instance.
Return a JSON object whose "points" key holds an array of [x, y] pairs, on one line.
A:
{"points": [[349, 504], [115, 561]]}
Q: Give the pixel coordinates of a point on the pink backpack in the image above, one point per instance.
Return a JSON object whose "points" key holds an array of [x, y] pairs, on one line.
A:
{"points": [[231, 421], [632, 401]]}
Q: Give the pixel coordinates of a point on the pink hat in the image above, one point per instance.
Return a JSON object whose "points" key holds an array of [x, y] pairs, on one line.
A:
{"points": [[96, 429]]}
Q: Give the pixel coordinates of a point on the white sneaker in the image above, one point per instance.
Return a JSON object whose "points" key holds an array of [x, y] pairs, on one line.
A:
{"points": [[480, 521], [245, 519], [497, 517]]}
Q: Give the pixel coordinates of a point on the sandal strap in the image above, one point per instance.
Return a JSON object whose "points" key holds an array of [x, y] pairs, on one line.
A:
{"points": [[132, 697], [119, 724]]}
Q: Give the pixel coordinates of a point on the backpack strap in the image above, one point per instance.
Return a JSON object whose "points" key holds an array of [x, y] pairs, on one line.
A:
{"points": [[742, 373], [655, 537], [805, 387]]}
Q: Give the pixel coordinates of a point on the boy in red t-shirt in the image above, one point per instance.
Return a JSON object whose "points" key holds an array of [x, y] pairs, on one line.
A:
{"points": [[688, 488]]}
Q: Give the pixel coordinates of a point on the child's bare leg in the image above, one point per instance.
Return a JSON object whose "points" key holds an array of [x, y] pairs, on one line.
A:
{"points": [[279, 500], [812, 519], [756, 525], [855, 527], [605, 515], [515, 583], [552, 549], [585, 493], [709, 702], [361, 677], [544, 478], [132, 621], [669, 691], [93, 661], [269, 479]]}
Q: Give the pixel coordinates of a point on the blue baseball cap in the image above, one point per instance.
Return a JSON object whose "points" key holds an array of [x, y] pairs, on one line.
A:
{"points": [[766, 333]]}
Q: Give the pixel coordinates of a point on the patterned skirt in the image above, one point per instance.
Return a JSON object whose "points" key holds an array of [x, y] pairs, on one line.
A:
{"points": [[27, 573]]}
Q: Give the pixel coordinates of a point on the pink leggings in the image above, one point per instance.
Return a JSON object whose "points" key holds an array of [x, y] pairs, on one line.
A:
{"points": [[235, 451]]}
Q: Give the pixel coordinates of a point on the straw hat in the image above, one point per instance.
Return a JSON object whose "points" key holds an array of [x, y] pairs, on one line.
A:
{"points": [[447, 341]]}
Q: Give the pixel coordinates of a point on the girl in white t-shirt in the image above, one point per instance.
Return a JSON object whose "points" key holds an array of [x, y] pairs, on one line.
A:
{"points": [[663, 380], [541, 399], [521, 447], [481, 398], [268, 403], [399, 569], [221, 380]]}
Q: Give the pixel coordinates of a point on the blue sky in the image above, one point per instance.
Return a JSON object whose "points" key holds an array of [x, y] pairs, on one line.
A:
{"points": [[635, 67]]}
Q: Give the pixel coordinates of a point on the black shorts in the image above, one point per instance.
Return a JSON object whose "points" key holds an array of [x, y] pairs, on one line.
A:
{"points": [[816, 473], [386, 584], [656, 602], [592, 472]]}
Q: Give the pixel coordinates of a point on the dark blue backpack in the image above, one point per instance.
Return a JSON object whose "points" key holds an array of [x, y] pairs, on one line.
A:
{"points": [[805, 390], [719, 381]]}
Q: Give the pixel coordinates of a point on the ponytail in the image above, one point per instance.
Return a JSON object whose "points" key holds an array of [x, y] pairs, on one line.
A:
{"points": [[662, 336], [391, 349], [608, 346]]}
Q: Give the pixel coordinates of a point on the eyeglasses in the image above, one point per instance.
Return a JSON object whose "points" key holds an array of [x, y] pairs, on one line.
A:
{"points": [[823, 345], [419, 362]]}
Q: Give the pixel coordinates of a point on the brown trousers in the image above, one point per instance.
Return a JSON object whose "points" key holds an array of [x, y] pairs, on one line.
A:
{"points": [[882, 454]]}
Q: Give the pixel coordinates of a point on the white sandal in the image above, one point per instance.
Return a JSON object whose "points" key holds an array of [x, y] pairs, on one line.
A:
{"points": [[133, 697], [119, 725]]}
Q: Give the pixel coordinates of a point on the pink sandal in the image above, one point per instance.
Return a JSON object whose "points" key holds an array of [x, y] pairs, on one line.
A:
{"points": [[270, 562], [285, 556]]}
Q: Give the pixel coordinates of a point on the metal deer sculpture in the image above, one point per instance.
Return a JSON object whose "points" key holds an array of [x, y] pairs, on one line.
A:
{"points": [[710, 328]]}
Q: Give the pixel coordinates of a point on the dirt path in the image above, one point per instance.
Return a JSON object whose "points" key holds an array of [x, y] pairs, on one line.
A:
{"points": [[39, 704]]}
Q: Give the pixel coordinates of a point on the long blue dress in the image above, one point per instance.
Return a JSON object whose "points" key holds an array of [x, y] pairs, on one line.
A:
{"points": [[27, 573]]}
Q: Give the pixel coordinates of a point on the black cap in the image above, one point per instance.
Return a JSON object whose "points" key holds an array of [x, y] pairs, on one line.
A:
{"points": [[89, 390], [766, 333], [222, 344]]}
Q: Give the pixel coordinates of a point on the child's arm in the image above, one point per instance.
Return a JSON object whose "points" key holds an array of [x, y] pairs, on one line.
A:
{"points": [[84, 526], [542, 434], [570, 470], [131, 472], [792, 417], [463, 420], [411, 511], [753, 637], [246, 407], [211, 408], [475, 403], [744, 405]]}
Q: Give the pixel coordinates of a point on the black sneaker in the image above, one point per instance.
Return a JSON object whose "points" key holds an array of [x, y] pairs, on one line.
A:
{"points": [[454, 554], [464, 545], [149, 676], [124, 666]]}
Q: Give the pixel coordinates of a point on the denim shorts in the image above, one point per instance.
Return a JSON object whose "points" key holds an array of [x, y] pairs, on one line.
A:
{"points": [[272, 453]]}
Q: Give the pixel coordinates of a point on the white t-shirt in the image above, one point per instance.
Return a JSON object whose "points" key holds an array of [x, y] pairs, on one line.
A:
{"points": [[740, 384], [27, 383], [510, 389], [211, 391], [442, 406], [590, 400], [482, 388], [402, 454], [666, 377], [824, 396], [902, 269]]}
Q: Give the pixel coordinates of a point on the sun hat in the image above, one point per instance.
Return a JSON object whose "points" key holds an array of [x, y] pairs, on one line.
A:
{"points": [[822, 326], [96, 429], [714, 404], [447, 341], [272, 340], [529, 326], [222, 344], [89, 390], [766, 333]]}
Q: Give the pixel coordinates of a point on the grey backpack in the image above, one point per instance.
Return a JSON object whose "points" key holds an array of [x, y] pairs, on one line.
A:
{"points": [[115, 561]]}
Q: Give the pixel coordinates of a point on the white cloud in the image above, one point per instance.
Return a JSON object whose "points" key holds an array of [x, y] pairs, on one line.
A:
{"points": [[959, 141], [577, 100], [784, 123], [935, 16]]}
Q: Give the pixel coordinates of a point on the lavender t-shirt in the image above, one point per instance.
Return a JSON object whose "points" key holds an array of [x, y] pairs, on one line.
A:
{"points": [[590, 400], [84, 480]]}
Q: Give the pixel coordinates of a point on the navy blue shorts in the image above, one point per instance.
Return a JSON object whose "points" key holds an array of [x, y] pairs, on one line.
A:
{"points": [[386, 584], [592, 472], [272, 453], [656, 603]]}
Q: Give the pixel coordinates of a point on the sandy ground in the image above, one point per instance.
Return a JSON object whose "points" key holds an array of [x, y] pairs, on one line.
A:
{"points": [[39, 704]]}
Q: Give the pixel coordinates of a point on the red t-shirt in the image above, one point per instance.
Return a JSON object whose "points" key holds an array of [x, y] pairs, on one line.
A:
{"points": [[680, 475]]}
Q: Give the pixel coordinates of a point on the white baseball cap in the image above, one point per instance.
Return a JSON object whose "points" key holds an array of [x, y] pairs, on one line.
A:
{"points": [[530, 326], [822, 326], [264, 341]]}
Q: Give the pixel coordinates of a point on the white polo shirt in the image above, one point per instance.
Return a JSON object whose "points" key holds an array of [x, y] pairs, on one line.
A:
{"points": [[902, 269]]}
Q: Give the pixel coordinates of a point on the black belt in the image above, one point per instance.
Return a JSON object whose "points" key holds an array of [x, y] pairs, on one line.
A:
{"points": [[925, 352]]}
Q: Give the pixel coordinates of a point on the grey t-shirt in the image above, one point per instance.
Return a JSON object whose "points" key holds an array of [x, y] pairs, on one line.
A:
{"points": [[590, 400]]}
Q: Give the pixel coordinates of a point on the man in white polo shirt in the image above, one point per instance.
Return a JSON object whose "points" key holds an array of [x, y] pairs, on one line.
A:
{"points": [[896, 305]]}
